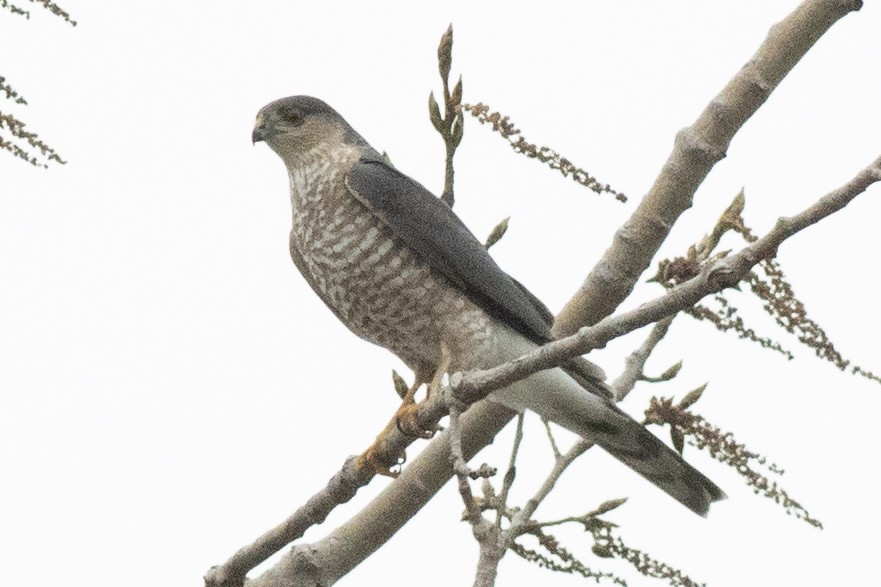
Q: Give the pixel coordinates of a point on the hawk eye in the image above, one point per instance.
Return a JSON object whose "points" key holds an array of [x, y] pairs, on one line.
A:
{"points": [[293, 117]]}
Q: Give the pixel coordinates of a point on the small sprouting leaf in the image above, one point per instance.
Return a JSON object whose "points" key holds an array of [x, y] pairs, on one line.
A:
{"points": [[434, 113], [678, 440], [509, 476], [608, 506], [401, 387], [456, 96], [445, 53], [692, 396], [497, 233], [672, 372], [735, 209], [387, 160]]}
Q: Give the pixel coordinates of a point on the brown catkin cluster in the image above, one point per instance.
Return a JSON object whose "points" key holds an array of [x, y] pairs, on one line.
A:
{"points": [[566, 561], [769, 284], [50, 6], [13, 125], [724, 448], [504, 126]]}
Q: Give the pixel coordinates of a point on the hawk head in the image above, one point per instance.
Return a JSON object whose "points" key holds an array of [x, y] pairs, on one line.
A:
{"points": [[296, 125]]}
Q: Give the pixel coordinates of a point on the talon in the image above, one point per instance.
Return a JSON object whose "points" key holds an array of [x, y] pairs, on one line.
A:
{"points": [[407, 422], [372, 460]]}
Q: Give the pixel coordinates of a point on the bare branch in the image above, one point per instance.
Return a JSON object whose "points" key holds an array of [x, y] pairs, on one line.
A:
{"points": [[449, 125], [327, 560], [550, 433], [634, 364], [523, 517], [511, 472], [472, 510], [715, 276], [487, 534], [696, 150]]}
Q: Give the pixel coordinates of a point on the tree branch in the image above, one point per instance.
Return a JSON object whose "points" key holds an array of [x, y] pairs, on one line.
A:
{"points": [[634, 365], [715, 276], [695, 151]]}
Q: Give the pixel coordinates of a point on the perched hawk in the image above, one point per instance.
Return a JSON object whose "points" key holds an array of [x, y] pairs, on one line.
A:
{"points": [[400, 269]]}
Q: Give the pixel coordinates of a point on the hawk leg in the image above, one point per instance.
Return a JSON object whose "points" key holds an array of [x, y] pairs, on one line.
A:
{"points": [[407, 416], [378, 458]]}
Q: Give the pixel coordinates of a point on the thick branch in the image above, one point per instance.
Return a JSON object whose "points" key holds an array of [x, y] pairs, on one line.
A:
{"points": [[326, 561], [714, 277], [341, 488], [696, 150]]}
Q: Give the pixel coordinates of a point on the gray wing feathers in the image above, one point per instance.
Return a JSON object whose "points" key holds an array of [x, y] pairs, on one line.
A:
{"points": [[435, 233]]}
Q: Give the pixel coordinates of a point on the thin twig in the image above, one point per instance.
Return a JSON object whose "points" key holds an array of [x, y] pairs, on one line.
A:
{"points": [[634, 365], [554, 448], [472, 510], [525, 514], [511, 473]]}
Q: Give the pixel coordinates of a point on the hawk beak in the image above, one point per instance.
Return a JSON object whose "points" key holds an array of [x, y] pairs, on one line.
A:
{"points": [[260, 132]]}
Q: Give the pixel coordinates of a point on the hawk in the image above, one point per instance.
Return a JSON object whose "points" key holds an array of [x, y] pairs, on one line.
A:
{"points": [[401, 270]]}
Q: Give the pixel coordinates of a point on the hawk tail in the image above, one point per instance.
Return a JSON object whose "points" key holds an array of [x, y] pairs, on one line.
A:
{"points": [[558, 397]]}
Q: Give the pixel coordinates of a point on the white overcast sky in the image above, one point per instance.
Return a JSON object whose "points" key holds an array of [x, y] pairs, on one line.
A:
{"points": [[171, 387]]}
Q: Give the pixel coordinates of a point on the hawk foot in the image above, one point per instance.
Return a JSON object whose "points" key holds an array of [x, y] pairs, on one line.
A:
{"points": [[407, 422], [377, 460]]}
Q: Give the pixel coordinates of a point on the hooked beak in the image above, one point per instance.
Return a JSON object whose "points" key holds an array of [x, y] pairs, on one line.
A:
{"points": [[261, 132]]}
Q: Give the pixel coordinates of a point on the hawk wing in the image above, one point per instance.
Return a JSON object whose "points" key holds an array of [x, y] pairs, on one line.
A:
{"points": [[430, 228]]}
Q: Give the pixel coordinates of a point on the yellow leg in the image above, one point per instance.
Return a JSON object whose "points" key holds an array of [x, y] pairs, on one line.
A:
{"points": [[378, 457], [406, 421]]}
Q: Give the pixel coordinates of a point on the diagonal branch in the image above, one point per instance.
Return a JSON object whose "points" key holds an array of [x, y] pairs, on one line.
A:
{"points": [[695, 151], [715, 276]]}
